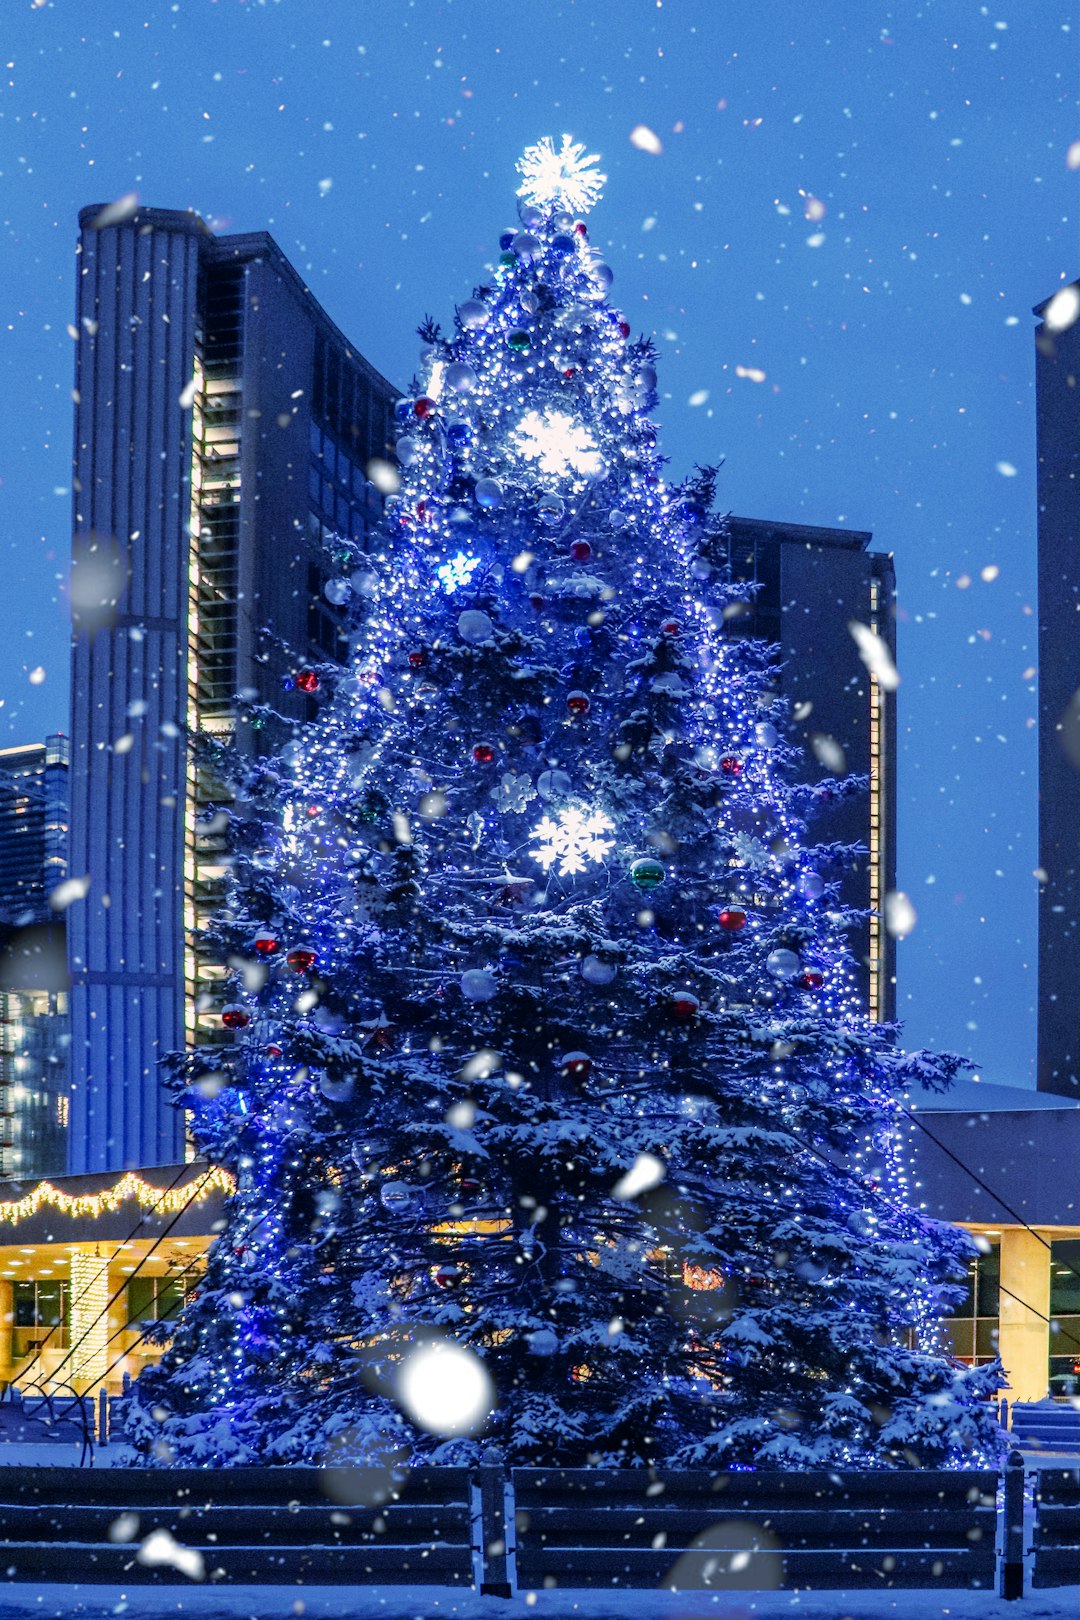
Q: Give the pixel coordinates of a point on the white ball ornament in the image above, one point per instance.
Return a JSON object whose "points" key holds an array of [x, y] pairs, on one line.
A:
{"points": [[766, 734], [810, 885], [531, 217], [525, 245], [406, 450], [604, 274], [473, 314], [474, 626], [461, 378], [550, 509], [479, 985], [783, 964], [337, 591], [488, 493], [553, 785], [397, 1196], [543, 1341], [596, 971], [338, 1091]]}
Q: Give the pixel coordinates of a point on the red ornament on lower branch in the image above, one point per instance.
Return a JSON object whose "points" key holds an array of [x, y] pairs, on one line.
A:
{"points": [[301, 958]]}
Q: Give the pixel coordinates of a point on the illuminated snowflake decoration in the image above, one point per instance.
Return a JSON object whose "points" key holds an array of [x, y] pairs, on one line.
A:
{"points": [[560, 179], [573, 838], [559, 445], [456, 574]]}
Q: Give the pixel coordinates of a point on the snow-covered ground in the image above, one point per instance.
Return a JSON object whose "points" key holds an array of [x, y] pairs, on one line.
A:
{"points": [[430, 1603]]}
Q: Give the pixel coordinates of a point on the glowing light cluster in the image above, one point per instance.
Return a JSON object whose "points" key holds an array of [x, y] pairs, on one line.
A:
{"points": [[574, 837], [168, 1201], [456, 574], [558, 444], [563, 178]]}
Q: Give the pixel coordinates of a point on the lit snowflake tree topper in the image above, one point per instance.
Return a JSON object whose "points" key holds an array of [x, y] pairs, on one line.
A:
{"points": [[558, 445], [573, 838], [560, 179]]}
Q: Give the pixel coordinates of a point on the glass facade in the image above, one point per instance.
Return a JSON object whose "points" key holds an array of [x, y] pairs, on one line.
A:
{"points": [[971, 1333], [1065, 1317], [40, 1311]]}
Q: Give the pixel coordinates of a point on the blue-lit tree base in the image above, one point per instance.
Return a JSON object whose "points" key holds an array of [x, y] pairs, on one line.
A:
{"points": [[549, 1044]]}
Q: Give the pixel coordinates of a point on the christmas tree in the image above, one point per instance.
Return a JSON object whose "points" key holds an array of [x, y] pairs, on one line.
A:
{"points": [[558, 1130]]}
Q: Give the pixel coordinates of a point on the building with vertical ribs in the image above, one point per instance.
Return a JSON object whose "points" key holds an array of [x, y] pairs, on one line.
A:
{"points": [[1057, 428], [808, 583], [223, 428]]}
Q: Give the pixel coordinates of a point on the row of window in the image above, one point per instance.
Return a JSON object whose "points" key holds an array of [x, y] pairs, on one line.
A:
{"points": [[41, 1310]]}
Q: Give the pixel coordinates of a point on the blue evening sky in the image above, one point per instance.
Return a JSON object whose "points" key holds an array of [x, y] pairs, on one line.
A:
{"points": [[376, 140]]}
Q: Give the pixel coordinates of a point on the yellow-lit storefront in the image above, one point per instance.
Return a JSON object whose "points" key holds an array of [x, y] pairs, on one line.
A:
{"points": [[89, 1263]]}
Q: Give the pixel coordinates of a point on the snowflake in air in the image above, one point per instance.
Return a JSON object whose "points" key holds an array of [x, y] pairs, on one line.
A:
{"points": [[560, 179], [456, 574], [559, 445], [573, 838]]}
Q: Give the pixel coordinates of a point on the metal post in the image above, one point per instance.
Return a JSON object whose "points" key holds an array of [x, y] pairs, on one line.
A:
{"points": [[103, 1416], [495, 1580], [1012, 1563]]}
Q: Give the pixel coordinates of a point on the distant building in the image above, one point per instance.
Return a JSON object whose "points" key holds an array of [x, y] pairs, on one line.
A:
{"points": [[223, 428], [1057, 410], [811, 582], [34, 1034]]}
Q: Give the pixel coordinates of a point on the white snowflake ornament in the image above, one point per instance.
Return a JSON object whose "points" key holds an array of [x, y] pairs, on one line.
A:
{"points": [[513, 794], [572, 838], [560, 179]]}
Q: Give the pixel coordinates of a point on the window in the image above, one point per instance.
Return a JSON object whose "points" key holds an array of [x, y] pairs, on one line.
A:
{"points": [[1065, 1317], [40, 1311], [972, 1331], [155, 1299]]}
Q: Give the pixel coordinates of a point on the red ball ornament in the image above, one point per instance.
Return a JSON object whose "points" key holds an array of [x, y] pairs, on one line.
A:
{"points": [[571, 371], [731, 920], [418, 658], [578, 703], [684, 1006], [731, 766], [536, 600], [313, 810], [307, 681], [483, 753], [624, 329], [273, 1051], [469, 1188], [266, 943], [424, 406], [812, 979], [447, 1275], [235, 1017], [671, 627], [577, 1065], [580, 550], [301, 958], [581, 228]]}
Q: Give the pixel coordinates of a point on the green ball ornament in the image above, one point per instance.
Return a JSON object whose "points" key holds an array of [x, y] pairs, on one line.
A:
{"points": [[647, 874], [518, 340]]}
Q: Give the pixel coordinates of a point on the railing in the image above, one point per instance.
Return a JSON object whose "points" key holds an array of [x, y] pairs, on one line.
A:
{"points": [[498, 1530]]}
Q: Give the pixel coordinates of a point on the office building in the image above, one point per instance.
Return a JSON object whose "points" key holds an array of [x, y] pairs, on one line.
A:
{"points": [[1057, 408], [34, 1035], [223, 428], [811, 582]]}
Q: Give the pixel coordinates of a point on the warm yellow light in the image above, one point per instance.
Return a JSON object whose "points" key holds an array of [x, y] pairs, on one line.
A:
{"points": [[129, 1186]]}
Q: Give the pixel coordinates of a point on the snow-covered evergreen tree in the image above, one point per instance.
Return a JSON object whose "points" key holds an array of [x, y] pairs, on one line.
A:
{"points": [[547, 1036]]}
